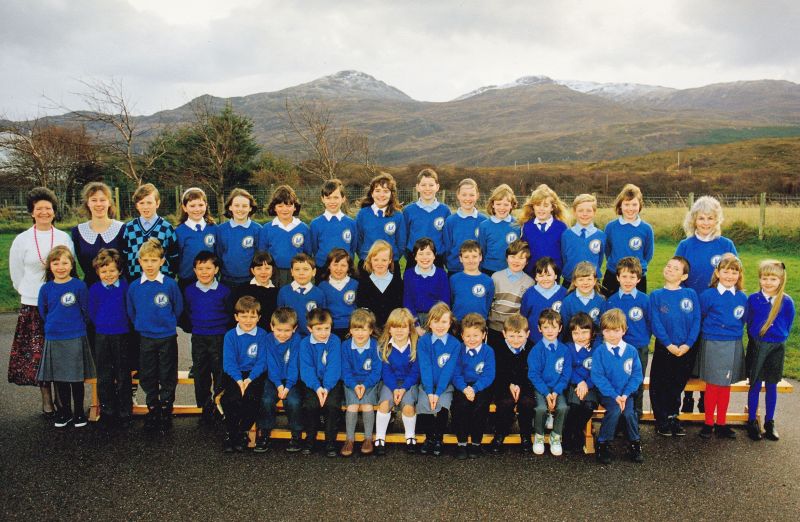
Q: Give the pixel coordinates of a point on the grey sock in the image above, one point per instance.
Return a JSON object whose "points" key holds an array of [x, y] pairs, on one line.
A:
{"points": [[351, 417], [369, 422]]}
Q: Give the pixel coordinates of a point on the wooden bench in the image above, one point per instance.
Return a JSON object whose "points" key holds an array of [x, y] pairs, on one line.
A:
{"points": [[693, 385]]}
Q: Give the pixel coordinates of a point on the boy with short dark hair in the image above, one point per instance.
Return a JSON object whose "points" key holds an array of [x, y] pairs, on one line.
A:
{"points": [[471, 290], [301, 294]]}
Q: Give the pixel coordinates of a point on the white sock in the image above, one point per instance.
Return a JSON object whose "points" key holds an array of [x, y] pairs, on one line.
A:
{"points": [[410, 424], [381, 423]]}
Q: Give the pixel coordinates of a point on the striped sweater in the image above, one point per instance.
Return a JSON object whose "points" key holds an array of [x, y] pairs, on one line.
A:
{"points": [[507, 297]]}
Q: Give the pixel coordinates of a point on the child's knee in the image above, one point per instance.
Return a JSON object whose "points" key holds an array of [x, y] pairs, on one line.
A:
{"points": [[384, 407], [408, 410]]}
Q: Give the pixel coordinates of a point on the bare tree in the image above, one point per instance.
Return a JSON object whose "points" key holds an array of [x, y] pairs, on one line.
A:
{"points": [[326, 145]]}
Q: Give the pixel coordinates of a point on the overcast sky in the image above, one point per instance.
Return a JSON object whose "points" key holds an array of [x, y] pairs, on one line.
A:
{"points": [[167, 52]]}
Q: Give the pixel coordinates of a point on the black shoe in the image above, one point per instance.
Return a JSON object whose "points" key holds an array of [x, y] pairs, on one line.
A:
{"points": [[525, 444], [706, 431], [724, 432], [496, 447], [228, 444], [63, 419], [380, 447], [438, 448], [153, 419], [294, 445], [262, 443], [166, 418], [475, 451], [124, 423], [411, 446], [676, 427], [688, 404], [770, 433], [241, 442], [664, 430], [80, 421], [427, 447], [191, 372], [308, 446], [330, 450], [461, 452], [636, 452], [753, 430], [604, 454]]}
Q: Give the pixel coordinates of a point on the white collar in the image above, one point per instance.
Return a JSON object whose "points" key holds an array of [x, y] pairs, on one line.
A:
{"points": [[339, 284], [358, 348], [496, 219], [205, 288], [767, 297], [477, 350], [234, 224], [590, 229], [463, 214], [547, 222], [159, 278], [515, 351], [425, 275], [90, 236], [192, 224], [547, 293], [633, 293], [400, 349], [706, 239], [636, 222], [115, 284], [288, 228], [375, 209], [151, 221], [428, 206], [722, 289], [443, 338], [330, 216], [621, 345], [314, 340], [252, 332], [255, 282], [578, 348], [296, 286], [385, 277]]}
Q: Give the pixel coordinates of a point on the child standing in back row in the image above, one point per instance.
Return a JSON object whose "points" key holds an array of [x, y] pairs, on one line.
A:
{"points": [[499, 231], [542, 222], [426, 218], [462, 225], [333, 229], [380, 218], [237, 238], [285, 236], [584, 241], [627, 236], [148, 225]]}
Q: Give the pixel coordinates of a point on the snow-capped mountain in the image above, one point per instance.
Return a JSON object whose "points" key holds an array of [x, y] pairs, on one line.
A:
{"points": [[519, 82], [350, 84]]}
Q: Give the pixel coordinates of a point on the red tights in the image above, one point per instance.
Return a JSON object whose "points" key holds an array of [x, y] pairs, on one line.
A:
{"points": [[717, 397]]}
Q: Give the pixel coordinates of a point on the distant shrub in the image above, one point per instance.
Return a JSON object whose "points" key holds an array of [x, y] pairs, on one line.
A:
{"points": [[740, 232]]}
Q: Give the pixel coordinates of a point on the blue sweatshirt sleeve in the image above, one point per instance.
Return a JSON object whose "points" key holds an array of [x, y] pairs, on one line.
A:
{"points": [[401, 236], [42, 302], [177, 299], [694, 332], [412, 379], [387, 374], [599, 374], [649, 247], [260, 366], [273, 367], [446, 375], [636, 376], [131, 305], [374, 376], [536, 370], [348, 376], [487, 376], [333, 369], [458, 374], [656, 325], [293, 369], [229, 364], [308, 368], [424, 350]]}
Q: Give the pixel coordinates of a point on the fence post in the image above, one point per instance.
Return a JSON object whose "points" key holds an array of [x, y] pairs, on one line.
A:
{"points": [[177, 199], [762, 218], [116, 203], [691, 199]]}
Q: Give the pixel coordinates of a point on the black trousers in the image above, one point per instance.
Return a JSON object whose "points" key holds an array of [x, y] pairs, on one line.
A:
{"points": [[158, 370], [469, 417], [611, 285], [668, 377], [113, 374], [207, 361], [577, 417], [504, 413], [240, 410], [332, 409]]}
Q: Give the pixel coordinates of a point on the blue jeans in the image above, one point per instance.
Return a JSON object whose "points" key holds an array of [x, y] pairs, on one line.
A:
{"points": [[291, 405], [609, 424]]}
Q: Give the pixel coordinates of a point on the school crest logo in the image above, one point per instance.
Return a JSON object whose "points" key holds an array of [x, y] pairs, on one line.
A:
{"points": [[628, 366], [286, 356], [715, 260], [347, 236], [479, 367], [161, 300], [390, 228], [559, 367], [438, 223], [209, 240], [635, 314], [310, 305], [557, 306], [587, 363], [367, 364], [349, 297], [594, 313], [479, 290], [511, 237], [324, 357], [68, 299], [594, 246], [738, 312], [442, 360], [635, 243], [247, 242], [252, 350], [477, 232], [686, 305], [298, 240]]}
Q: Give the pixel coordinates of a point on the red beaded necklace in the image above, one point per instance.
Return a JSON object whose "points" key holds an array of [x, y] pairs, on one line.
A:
{"points": [[36, 240]]}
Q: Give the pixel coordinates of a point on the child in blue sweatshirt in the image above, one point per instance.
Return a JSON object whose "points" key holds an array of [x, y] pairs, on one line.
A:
{"points": [[244, 372], [321, 372], [463, 224], [400, 375], [582, 396], [770, 313], [424, 284], [627, 236], [584, 296], [148, 225], [283, 381], [583, 241], [426, 218], [340, 286], [109, 315], [542, 221], [472, 380], [66, 357], [301, 294], [333, 229], [546, 293], [675, 321], [471, 290], [635, 304], [499, 231], [237, 238], [196, 232], [286, 236], [617, 373], [207, 307], [438, 353], [380, 217], [154, 305], [549, 370], [361, 373]]}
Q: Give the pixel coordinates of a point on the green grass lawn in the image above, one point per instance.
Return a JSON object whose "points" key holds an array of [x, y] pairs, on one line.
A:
{"points": [[749, 254]]}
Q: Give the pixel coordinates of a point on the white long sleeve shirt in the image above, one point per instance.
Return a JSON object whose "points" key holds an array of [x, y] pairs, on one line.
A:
{"points": [[24, 265]]}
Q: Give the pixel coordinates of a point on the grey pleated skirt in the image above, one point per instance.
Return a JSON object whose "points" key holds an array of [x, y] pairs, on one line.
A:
{"points": [[67, 360], [721, 362]]}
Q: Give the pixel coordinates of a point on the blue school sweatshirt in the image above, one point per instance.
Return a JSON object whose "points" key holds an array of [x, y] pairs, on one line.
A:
{"points": [[302, 303], [628, 239], [421, 293], [471, 293], [236, 246], [64, 308], [208, 309], [574, 248], [549, 366], [361, 367], [328, 232], [474, 370], [283, 361], [573, 304], [370, 228], [459, 227], [615, 375], [284, 244], [723, 315], [534, 301], [341, 303], [675, 316], [320, 363], [581, 365], [703, 257], [494, 237], [244, 352], [636, 307], [437, 362], [154, 307], [421, 222], [108, 308], [758, 308], [399, 371], [544, 244], [191, 242]]}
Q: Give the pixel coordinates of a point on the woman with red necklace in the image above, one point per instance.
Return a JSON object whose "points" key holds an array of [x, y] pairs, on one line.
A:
{"points": [[26, 264]]}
